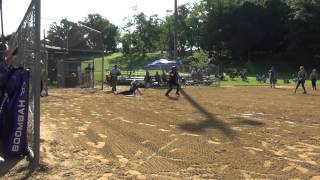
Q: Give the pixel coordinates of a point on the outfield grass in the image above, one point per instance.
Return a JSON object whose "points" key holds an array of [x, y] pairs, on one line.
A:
{"points": [[139, 62]]}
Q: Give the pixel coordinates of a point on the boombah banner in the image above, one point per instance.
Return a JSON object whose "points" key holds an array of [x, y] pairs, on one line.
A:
{"points": [[17, 88]]}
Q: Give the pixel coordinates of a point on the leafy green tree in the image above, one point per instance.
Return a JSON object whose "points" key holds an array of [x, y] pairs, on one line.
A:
{"points": [[148, 30], [109, 31], [304, 36]]}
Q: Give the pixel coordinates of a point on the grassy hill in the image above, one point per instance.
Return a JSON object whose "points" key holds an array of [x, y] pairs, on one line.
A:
{"points": [[284, 69]]}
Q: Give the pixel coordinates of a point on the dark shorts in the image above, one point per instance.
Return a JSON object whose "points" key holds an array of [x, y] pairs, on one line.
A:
{"points": [[314, 82]]}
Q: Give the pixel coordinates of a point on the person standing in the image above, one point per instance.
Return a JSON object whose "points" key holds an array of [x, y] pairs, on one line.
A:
{"points": [[302, 75], [314, 78], [92, 77], [173, 80], [114, 73], [147, 80], [88, 76], [193, 74], [273, 77]]}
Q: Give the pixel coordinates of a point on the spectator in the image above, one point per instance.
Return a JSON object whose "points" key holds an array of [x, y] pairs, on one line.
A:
{"points": [[273, 77], [147, 80], [233, 74], [314, 78], [114, 74], [193, 74], [157, 77], [244, 75], [302, 75], [88, 77], [199, 73]]}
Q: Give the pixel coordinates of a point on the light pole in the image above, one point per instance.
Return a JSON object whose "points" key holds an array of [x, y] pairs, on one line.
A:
{"points": [[175, 51], [134, 9]]}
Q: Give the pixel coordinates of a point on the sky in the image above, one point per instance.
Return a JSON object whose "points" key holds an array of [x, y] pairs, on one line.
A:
{"points": [[75, 10]]}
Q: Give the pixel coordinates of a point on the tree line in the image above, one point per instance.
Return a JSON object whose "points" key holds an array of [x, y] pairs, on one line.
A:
{"points": [[231, 32]]}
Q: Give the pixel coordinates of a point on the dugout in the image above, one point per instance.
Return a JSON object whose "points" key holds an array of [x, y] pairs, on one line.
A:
{"points": [[68, 70], [71, 53]]}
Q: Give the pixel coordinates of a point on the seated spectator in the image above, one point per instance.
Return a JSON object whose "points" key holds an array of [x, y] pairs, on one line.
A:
{"points": [[221, 76], [164, 78], [286, 81], [233, 74], [258, 77], [244, 75], [207, 82], [157, 77]]}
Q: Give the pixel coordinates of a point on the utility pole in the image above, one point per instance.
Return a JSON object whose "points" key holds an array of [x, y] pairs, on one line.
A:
{"points": [[175, 51]]}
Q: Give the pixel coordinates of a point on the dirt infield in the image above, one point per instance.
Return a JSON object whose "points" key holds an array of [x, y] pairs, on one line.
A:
{"points": [[207, 133]]}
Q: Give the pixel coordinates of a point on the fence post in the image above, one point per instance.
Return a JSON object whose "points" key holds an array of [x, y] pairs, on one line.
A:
{"points": [[102, 72], [92, 73], [36, 83]]}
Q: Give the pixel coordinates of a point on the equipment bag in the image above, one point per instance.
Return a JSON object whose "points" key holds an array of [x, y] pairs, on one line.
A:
{"points": [[16, 120]]}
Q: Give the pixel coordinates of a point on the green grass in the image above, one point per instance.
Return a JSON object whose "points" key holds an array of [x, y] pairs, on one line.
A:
{"points": [[118, 58], [252, 82], [138, 62]]}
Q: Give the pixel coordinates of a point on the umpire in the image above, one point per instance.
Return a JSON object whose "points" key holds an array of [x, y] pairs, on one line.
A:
{"points": [[173, 80], [114, 73]]}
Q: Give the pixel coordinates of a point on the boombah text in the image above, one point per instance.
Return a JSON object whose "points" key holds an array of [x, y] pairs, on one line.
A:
{"points": [[21, 119]]}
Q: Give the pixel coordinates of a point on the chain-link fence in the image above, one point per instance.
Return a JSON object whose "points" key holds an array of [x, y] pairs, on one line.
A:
{"points": [[75, 55], [27, 39]]}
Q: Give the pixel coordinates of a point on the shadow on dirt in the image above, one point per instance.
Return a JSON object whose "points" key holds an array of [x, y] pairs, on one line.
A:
{"points": [[26, 170], [250, 122], [108, 92], [173, 98], [6, 166], [210, 122]]}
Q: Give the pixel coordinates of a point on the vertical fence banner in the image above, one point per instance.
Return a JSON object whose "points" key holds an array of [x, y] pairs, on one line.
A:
{"points": [[17, 113]]}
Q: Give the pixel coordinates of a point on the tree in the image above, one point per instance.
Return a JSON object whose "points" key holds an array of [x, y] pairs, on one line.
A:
{"points": [[109, 31], [304, 36]]}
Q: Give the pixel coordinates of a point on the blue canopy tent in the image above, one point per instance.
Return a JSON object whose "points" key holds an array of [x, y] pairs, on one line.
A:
{"points": [[162, 64]]}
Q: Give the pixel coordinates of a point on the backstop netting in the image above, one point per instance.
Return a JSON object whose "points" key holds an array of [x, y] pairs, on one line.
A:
{"points": [[27, 39], [75, 55]]}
